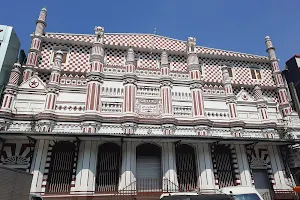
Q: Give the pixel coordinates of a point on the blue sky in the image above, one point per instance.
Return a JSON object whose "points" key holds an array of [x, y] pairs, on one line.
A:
{"points": [[236, 25]]}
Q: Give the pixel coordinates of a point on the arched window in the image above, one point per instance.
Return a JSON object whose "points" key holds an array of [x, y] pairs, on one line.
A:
{"points": [[186, 167], [108, 167], [224, 166], [148, 167], [61, 168]]}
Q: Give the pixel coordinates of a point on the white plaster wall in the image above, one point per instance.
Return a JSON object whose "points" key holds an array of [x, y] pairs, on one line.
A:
{"points": [[215, 104], [71, 97], [28, 103], [243, 165]]}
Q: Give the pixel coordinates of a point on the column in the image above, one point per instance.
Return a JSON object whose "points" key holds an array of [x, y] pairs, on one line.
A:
{"points": [[128, 169], [36, 44], [166, 86], [53, 85], [277, 168], [261, 103], [86, 167], [206, 179], [129, 84], [94, 81], [41, 152], [284, 105], [195, 79], [243, 164], [170, 181], [11, 89], [230, 97]]}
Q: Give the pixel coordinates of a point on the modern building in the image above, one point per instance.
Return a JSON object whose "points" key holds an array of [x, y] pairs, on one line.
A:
{"points": [[109, 115], [9, 50], [292, 76]]}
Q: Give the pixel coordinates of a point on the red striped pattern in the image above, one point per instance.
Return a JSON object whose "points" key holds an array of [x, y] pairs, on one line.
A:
{"points": [[14, 77], [50, 101], [27, 74], [93, 102], [129, 98], [198, 104], [166, 100]]}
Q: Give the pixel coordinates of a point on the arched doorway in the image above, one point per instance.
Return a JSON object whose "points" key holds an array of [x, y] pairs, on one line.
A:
{"points": [[148, 167], [108, 167], [186, 167], [61, 168], [224, 166]]}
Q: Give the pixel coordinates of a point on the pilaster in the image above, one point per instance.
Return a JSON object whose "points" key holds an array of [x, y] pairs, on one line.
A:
{"points": [[243, 165], [205, 172], [261, 103], [129, 128], [53, 85], [168, 129], [95, 78], [35, 47], [86, 168], [11, 89], [39, 166], [170, 180], [128, 169], [284, 105], [195, 79], [166, 86], [230, 97], [130, 88]]}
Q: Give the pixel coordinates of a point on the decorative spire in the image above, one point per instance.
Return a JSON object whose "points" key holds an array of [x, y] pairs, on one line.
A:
{"points": [[130, 56], [99, 33], [58, 60], [164, 61], [192, 61]]}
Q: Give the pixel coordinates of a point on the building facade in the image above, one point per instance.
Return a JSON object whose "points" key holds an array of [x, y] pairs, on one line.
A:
{"points": [[9, 50], [105, 115]]}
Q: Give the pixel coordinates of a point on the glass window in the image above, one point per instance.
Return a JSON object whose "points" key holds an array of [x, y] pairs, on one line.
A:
{"points": [[252, 196], [230, 72], [255, 74], [64, 57]]}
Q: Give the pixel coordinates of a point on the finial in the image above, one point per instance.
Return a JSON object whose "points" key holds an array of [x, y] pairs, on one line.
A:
{"points": [[44, 9], [17, 64], [164, 58]]}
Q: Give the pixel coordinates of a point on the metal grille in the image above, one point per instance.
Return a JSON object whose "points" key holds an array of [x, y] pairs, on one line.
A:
{"points": [[186, 167], [61, 167], [108, 168], [224, 166]]}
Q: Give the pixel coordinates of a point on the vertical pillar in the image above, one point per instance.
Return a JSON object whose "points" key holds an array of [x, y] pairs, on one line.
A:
{"points": [[39, 166], [230, 97], [261, 103], [277, 168], [53, 85], [170, 181], [129, 84], [11, 89], [95, 79], [36, 44], [166, 86], [284, 105], [195, 79], [86, 168], [243, 165], [128, 169], [168, 129], [206, 179]]}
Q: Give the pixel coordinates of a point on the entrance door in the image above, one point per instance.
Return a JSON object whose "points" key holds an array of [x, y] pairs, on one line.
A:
{"points": [[148, 168], [262, 182]]}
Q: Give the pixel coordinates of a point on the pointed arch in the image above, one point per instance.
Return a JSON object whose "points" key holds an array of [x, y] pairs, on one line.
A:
{"points": [[186, 167], [108, 167], [61, 167]]}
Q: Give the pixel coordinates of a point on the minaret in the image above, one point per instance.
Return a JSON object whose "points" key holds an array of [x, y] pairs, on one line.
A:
{"points": [[230, 97], [53, 85], [94, 81], [284, 105], [195, 79], [11, 89], [166, 86], [129, 84], [36, 43], [261, 103]]}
